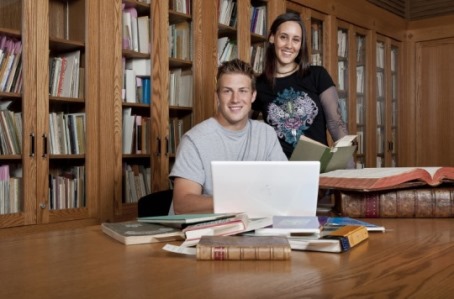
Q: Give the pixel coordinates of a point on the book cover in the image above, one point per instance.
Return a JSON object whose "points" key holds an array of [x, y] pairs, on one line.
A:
{"points": [[349, 235], [316, 244], [385, 178], [223, 227], [336, 222], [290, 225], [420, 202], [182, 219], [331, 158], [220, 227], [222, 248], [133, 232]]}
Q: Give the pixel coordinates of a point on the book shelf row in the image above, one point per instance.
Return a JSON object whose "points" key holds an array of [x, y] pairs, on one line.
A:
{"points": [[10, 64]]}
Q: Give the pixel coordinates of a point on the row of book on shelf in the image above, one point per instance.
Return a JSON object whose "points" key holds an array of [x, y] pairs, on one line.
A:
{"points": [[10, 64], [10, 130], [137, 128], [228, 11], [135, 31], [228, 50], [67, 133], [137, 182], [136, 81], [10, 189], [136, 133], [67, 188], [239, 237], [66, 75]]}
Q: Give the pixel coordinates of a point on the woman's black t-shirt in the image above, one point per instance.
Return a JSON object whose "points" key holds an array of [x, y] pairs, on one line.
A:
{"points": [[293, 107]]}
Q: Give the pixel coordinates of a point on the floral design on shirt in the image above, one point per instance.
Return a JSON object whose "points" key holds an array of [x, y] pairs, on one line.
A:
{"points": [[292, 113]]}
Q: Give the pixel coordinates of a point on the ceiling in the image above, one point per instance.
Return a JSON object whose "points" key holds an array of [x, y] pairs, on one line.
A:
{"points": [[417, 9]]}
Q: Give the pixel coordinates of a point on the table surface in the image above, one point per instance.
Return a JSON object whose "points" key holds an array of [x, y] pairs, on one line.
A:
{"points": [[414, 258]]}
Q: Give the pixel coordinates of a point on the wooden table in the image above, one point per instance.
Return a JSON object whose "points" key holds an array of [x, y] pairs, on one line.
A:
{"points": [[413, 259]]}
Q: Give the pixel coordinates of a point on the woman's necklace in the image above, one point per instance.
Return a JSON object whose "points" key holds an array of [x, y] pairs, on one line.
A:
{"points": [[291, 71]]}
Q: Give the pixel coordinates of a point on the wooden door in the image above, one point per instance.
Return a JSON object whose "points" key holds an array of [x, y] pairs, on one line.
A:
{"points": [[435, 103]]}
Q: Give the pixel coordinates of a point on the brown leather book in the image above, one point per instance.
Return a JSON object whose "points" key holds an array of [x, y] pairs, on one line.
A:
{"points": [[423, 202], [221, 248]]}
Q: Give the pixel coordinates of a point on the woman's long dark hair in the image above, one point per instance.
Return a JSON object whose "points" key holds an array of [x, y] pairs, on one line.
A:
{"points": [[270, 56]]}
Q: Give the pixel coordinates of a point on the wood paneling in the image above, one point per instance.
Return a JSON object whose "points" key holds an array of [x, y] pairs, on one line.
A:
{"points": [[434, 103], [416, 9]]}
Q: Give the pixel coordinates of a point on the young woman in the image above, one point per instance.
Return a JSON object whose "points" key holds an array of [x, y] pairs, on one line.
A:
{"points": [[293, 96]]}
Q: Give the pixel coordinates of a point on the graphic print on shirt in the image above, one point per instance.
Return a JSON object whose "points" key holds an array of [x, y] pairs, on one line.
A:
{"points": [[292, 113]]}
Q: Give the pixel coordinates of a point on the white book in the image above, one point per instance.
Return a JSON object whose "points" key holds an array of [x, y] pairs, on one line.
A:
{"points": [[130, 80], [128, 130], [143, 26], [141, 67]]}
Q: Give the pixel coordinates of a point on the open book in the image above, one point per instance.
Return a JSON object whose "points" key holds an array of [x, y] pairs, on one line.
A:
{"points": [[331, 158], [371, 179]]}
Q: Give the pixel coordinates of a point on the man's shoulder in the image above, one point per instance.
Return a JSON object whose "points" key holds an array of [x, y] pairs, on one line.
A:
{"points": [[258, 124], [205, 126]]}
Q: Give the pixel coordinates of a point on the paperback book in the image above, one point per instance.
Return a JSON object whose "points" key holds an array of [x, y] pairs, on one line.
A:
{"points": [[133, 232]]}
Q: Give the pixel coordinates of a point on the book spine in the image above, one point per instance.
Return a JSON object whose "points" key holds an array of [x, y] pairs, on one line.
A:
{"points": [[349, 235], [221, 253], [436, 202]]}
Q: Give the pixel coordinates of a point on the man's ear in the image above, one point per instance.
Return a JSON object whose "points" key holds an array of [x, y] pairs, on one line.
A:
{"points": [[254, 94]]}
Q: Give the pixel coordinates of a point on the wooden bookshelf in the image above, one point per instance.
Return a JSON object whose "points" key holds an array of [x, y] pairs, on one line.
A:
{"points": [[41, 165]]}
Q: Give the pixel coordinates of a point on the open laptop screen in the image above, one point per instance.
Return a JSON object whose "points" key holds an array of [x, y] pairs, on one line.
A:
{"points": [[266, 188]]}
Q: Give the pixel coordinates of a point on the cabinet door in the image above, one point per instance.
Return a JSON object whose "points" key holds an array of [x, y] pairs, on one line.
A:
{"points": [[360, 96], [177, 112], [386, 101], [17, 113], [134, 157], [67, 139]]}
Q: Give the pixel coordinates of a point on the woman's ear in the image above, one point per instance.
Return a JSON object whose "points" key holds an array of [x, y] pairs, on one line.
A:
{"points": [[271, 39]]}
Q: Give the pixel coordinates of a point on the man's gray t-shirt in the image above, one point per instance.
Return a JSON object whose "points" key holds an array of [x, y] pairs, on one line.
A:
{"points": [[209, 141]]}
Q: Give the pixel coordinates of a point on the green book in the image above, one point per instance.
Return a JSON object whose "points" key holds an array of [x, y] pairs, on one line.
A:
{"points": [[331, 158], [183, 219]]}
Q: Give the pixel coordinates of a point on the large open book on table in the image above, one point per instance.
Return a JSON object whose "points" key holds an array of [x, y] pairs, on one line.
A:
{"points": [[373, 179], [331, 158]]}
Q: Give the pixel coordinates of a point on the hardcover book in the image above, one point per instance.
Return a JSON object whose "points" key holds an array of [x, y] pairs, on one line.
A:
{"points": [[331, 223], [133, 232], [288, 225], [222, 248], [223, 227], [386, 178], [185, 219], [421, 202], [331, 158], [349, 235]]}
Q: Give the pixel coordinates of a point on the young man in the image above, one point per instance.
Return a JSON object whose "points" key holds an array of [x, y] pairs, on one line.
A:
{"points": [[228, 136]]}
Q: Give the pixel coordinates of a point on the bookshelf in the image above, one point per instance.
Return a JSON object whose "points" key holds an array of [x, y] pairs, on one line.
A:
{"points": [[16, 208], [51, 167]]}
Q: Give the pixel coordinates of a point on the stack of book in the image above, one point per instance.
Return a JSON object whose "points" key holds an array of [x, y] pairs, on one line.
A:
{"points": [[234, 236], [397, 192]]}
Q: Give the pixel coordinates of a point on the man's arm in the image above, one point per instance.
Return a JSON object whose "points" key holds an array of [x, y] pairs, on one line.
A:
{"points": [[188, 198]]}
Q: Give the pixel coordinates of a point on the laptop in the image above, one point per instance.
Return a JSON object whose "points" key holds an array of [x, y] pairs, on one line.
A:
{"points": [[266, 188]]}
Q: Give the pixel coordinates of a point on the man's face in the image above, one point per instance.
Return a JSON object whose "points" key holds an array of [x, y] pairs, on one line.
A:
{"points": [[234, 97]]}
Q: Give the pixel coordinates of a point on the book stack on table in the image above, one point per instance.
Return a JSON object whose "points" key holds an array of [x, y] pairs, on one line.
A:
{"points": [[236, 237], [398, 192]]}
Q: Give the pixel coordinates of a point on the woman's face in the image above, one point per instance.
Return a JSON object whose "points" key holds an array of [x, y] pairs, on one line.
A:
{"points": [[287, 42]]}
